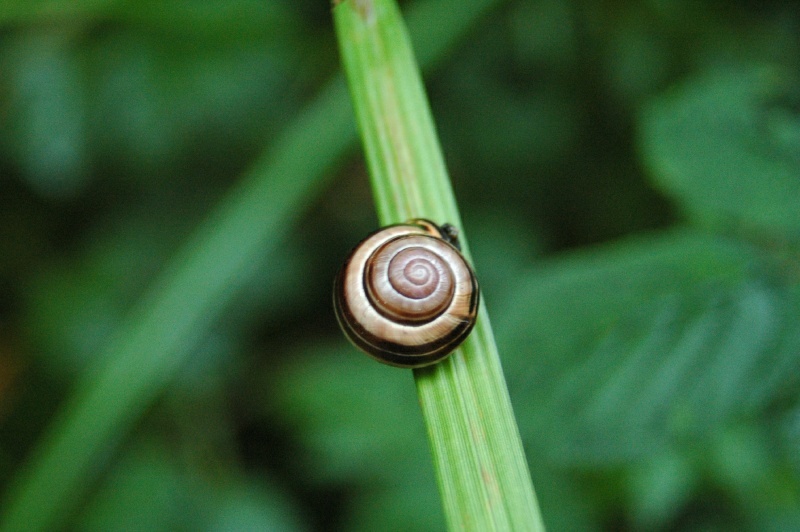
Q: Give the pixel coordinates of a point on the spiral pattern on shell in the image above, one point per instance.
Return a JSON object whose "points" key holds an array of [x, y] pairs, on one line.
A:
{"points": [[406, 295]]}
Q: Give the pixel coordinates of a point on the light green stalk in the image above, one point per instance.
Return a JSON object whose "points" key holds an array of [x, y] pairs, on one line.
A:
{"points": [[482, 472]]}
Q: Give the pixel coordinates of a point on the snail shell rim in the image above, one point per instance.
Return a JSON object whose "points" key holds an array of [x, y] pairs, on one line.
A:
{"points": [[406, 344]]}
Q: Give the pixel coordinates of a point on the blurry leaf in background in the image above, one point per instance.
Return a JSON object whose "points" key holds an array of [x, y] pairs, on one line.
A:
{"points": [[527, 124], [726, 145], [666, 340], [158, 99], [678, 368], [561, 305], [642, 354], [660, 485], [47, 112], [150, 489], [131, 96], [72, 307]]}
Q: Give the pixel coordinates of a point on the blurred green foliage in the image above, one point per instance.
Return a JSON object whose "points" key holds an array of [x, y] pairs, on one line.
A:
{"points": [[629, 176]]}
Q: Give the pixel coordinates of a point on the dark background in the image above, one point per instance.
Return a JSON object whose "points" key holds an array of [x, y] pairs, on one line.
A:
{"points": [[628, 174]]}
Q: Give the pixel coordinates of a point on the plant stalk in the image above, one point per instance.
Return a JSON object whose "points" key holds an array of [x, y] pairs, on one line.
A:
{"points": [[477, 450]]}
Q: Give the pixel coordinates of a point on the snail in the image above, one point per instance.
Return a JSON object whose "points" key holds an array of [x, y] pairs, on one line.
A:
{"points": [[405, 295]]}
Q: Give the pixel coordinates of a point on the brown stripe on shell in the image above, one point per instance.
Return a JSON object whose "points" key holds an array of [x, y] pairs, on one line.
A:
{"points": [[405, 343]]}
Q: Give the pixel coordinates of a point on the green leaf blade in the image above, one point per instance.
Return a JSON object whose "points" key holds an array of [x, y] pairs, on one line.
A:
{"points": [[654, 342], [482, 470], [725, 145]]}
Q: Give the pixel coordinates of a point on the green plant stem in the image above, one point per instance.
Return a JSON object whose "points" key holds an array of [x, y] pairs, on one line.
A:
{"points": [[477, 451]]}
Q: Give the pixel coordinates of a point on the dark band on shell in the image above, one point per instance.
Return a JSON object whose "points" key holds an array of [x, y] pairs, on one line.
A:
{"points": [[406, 295]]}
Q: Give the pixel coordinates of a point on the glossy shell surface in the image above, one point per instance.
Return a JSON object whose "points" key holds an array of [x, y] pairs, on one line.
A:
{"points": [[406, 295]]}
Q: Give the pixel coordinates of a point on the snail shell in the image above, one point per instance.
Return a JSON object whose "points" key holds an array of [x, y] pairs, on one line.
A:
{"points": [[406, 296]]}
